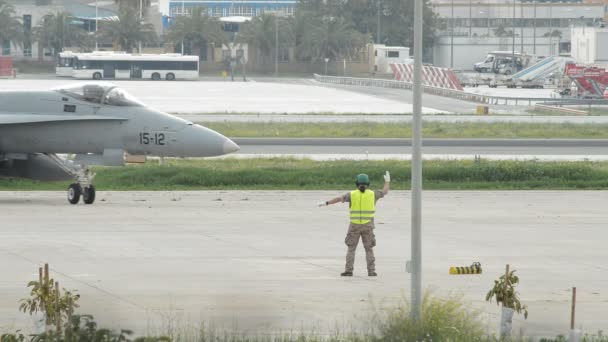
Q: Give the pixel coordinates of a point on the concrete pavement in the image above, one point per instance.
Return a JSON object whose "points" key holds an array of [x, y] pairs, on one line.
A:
{"points": [[270, 261]]}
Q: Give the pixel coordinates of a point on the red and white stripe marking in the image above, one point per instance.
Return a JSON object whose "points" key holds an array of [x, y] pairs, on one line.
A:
{"points": [[431, 76]]}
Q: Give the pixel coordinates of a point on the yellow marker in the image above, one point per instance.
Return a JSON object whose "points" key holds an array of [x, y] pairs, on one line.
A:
{"points": [[473, 269]]}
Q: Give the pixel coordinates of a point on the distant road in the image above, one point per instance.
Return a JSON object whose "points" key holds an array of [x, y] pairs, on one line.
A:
{"points": [[507, 147], [394, 118]]}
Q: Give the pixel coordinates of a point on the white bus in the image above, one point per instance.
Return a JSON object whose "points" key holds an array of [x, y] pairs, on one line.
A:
{"points": [[65, 64], [66, 60], [126, 66]]}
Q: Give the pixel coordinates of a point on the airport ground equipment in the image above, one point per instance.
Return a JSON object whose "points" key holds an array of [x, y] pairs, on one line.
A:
{"points": [[96, 122], [587, 82]]}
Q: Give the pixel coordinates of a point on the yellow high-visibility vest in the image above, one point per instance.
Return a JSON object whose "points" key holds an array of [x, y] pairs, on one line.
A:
{"points": [[362, 206]]}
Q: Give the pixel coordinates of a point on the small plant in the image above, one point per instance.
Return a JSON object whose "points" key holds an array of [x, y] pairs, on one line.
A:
{"points": [[45, 297], [505, 294]]}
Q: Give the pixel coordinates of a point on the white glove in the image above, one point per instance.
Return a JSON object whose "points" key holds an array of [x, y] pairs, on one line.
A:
{"points": [[387, 177], [322, 204]]}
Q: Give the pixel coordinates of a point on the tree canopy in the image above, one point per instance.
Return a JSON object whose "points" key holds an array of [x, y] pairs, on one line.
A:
{"points": [[197, 29], [10, 25], [127, 31], [396, 18], [261, 32], [55, 31]]}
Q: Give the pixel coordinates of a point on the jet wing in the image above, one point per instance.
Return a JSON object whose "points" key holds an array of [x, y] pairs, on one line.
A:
{"points": [[15, 119]]}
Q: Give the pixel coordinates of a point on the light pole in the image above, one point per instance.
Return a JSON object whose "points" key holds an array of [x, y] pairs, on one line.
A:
{"points": [[183, 13], [276, 44], [378, 27], [141, 19], [326, 61], [96, 22], [513, 34], [452, 39], [470, 18], [534, 39], [521, 26], [416, 205], [550, 29]]}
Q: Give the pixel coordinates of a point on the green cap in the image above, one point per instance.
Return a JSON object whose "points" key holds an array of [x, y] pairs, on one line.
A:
{"points": [[362, 179]]}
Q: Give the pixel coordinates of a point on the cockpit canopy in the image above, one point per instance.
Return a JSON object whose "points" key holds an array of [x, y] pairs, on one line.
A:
{"points": [[100, 93]]}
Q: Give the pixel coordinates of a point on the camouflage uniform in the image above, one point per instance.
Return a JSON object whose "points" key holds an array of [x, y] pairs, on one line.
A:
{"points": [[366, 232]]}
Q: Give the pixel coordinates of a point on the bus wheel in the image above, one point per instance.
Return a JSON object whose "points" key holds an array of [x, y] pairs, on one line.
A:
{"points": [[155, 76], [170, 76], [97, 76]]}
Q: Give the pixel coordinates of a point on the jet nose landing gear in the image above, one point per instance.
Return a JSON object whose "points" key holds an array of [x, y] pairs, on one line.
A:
{"points": [[75, 191], [84, 178]]}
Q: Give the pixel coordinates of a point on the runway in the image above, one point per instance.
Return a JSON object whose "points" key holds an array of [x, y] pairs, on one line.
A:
{"points": [[269, 261], [354, 148]]}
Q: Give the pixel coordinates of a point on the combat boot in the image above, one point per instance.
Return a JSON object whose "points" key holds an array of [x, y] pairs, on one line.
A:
{"points": [[372, 274], [347, 274]]}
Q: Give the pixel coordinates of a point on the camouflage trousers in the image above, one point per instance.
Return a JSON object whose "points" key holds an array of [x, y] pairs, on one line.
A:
{"points": [[366, 232]]}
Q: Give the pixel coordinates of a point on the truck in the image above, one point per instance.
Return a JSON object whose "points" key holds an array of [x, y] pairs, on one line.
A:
{"points": [[493, 61], [503, 62]]}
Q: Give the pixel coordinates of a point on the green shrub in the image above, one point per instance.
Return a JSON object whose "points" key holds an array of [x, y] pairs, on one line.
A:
{"points": [[447, 319]]}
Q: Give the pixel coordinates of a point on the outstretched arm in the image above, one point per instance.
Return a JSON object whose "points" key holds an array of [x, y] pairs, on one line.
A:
{"points": [[331, 201], [387, 182]]}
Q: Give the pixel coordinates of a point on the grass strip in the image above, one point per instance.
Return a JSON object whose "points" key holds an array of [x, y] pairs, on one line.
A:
{"points": [[503, 130], [296, 174]]}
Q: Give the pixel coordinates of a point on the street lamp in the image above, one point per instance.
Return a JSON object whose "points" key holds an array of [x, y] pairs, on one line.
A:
{"points": [[416, 170], [326, 61], [378, 27], [277, 14], [96, 22], [141, 18], [452, 39], [276, 44]]}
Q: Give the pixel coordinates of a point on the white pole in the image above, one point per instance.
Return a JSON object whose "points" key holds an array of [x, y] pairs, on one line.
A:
{"points": [[276, 62], [141, 18], [183, 13], [452, 38], [416, 262], [96, 22]]}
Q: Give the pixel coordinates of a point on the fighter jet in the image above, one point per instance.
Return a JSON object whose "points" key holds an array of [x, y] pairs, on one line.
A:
{"points": [[97, 123]]}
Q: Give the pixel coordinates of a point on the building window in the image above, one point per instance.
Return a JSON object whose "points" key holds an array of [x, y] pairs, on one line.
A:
{"points": [[27, 49], [392, 54], [283, 55], [6, 47], [27, 23]]}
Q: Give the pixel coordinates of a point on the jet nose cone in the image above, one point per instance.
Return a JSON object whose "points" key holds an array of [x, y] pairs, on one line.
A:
{"points": [[230, 146]]}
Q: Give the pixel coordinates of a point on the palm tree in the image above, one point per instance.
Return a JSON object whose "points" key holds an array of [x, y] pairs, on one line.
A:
{"points": [[197, 30], [329, 37], [133, 3], [55, 31], [127, 32], [11, 28], [261, 33]]}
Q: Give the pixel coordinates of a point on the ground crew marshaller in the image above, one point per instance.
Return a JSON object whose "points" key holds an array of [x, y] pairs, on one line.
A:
{"points": [[362, 211]]}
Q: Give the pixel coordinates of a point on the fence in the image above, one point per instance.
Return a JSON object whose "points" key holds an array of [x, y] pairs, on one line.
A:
{"points": [[455, 94]]}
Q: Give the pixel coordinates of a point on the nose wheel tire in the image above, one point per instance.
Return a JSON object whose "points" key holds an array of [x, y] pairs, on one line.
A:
{"points": [[74, 192], [88, 195]]}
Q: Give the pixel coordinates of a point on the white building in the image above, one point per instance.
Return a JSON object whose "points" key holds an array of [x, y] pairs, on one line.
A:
{"points": [[590, 45], [472, 28]]}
